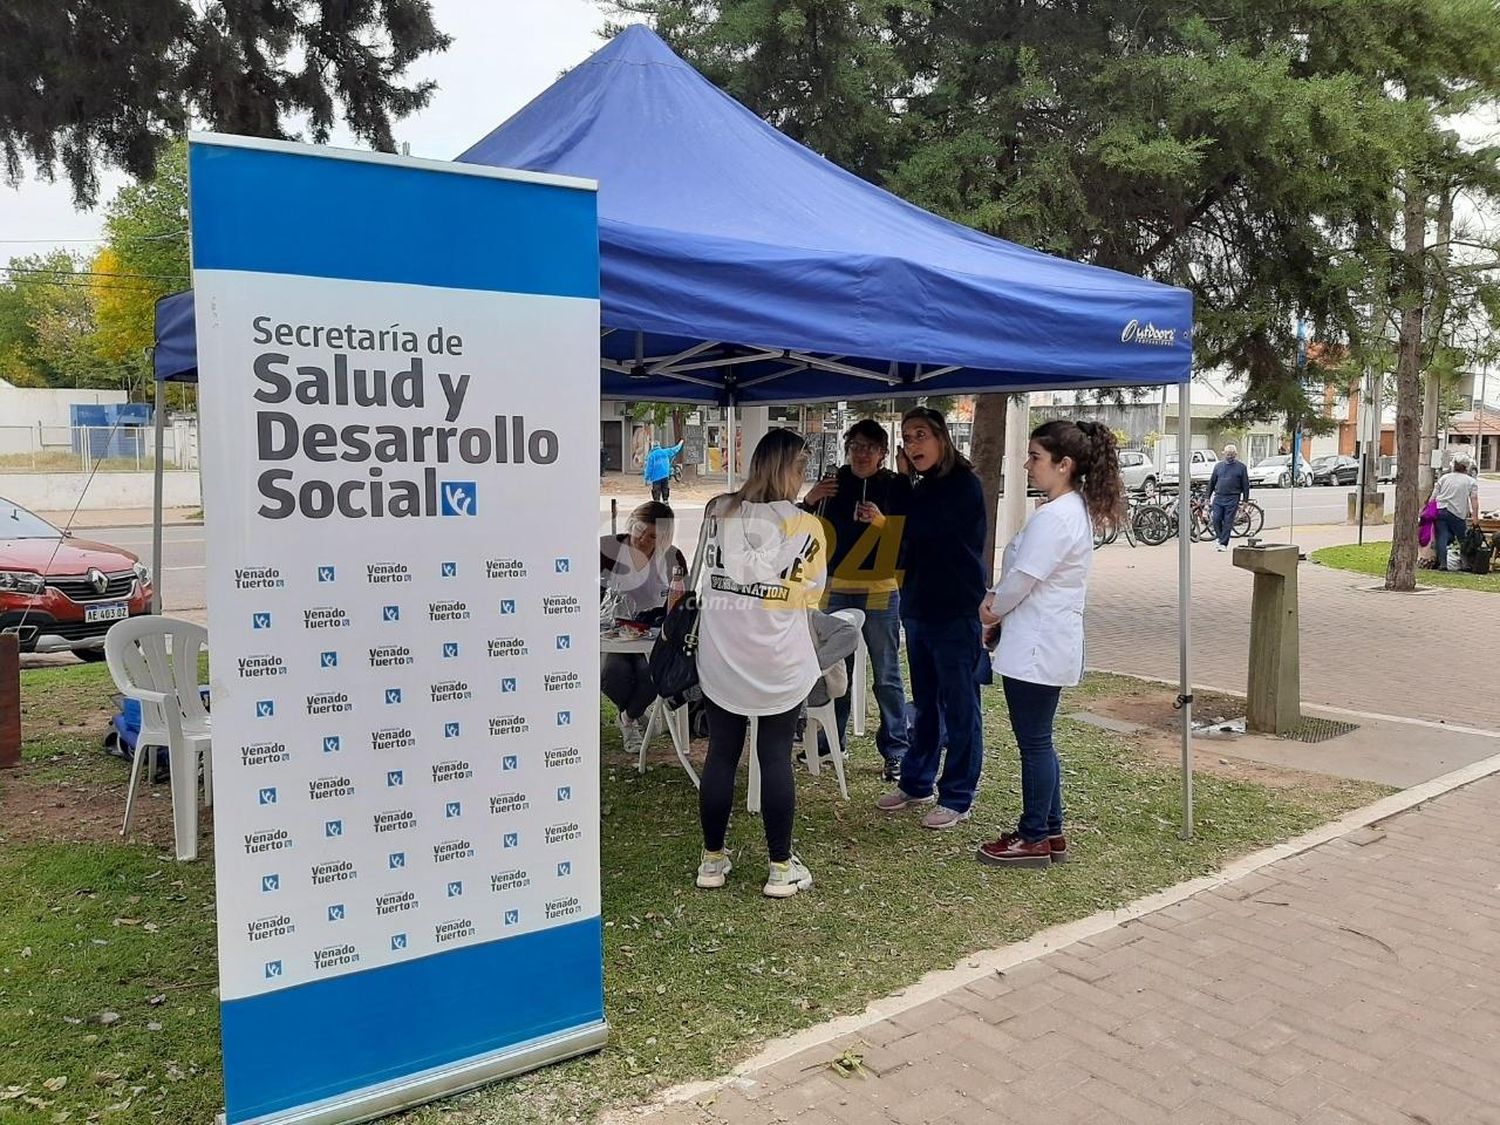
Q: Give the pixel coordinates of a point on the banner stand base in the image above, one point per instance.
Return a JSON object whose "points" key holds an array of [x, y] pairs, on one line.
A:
{"points": [[439, 1082]]}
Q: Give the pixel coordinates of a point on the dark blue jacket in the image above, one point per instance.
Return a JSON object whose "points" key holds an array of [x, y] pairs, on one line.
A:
{"points": [[944, 548], [1230, 478]]}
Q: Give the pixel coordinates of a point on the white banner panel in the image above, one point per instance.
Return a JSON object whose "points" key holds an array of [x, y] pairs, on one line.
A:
{"points": [[401, 520]]}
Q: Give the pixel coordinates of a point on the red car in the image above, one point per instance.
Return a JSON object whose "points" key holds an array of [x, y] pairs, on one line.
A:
{"points": [[61, 594]]}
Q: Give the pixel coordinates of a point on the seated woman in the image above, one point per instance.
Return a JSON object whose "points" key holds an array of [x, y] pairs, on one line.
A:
{"points": [[643, 573]]}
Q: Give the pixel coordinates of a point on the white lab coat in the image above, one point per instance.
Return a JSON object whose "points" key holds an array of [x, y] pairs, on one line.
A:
{"points": [[1047, 565]]}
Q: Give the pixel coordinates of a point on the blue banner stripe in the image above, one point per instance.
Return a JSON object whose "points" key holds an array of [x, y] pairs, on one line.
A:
{"points": [[313, 215], [303, 1044]]}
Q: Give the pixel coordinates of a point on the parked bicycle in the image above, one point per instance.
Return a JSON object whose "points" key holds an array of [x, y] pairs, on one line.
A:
{"points": [[1132, 504], [1155, 523]]}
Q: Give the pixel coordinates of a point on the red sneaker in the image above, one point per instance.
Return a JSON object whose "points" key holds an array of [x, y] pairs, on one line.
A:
{"points": [[1012, 851], [1059, 845]]}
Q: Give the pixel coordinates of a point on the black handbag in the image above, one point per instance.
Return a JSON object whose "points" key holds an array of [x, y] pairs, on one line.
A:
{"points": [[673, 663]]}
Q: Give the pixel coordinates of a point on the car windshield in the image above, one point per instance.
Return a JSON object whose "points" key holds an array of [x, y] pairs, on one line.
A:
{"points": [[17, 523], [1271, 461], [1329, 460]]}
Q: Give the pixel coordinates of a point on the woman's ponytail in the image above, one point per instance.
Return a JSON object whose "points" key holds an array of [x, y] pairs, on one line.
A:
{"points": [[1096, 471]]}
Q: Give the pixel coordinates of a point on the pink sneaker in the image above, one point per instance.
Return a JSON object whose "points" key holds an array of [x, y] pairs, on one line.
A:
{"points": [[896, 800], [943, 817]]}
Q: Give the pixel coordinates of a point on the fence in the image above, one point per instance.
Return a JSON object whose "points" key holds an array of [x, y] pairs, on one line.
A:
{"points": [[105, 449]]}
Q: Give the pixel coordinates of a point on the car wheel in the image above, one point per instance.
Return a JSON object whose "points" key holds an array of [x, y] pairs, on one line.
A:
{"points": [[1284, 481], [1148, 486], [89, 655]]}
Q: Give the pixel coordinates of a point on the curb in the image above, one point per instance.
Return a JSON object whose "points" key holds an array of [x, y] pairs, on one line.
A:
{"points": [[980, 966]]}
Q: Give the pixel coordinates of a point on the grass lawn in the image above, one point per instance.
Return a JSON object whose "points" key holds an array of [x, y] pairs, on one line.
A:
{"points": [[107, 973], [1372, 558]]}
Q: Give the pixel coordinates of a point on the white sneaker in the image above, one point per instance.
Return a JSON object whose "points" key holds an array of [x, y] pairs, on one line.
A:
{"points": [[630, 733], [1220, 548], [786, 879], [712, 870]]}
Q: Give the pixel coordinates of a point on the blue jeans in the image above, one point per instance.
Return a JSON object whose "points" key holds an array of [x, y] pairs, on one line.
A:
{"points": [[1449, 527], [1221, 517], [942, 656], [1033, 708], [882, 633]]}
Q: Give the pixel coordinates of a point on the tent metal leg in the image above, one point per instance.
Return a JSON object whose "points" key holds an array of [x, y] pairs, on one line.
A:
{"points": [[1184, 595], [156, 498], [729, 412]]}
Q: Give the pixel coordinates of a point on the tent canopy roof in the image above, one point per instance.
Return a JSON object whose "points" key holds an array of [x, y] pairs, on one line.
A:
{"points": [[738, 264], [723, 237]]}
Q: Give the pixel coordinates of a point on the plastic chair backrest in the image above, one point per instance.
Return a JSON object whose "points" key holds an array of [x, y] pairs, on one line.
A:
{"points": [[158, 655]]}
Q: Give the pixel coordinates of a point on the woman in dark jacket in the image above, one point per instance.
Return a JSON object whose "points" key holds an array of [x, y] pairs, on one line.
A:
{"points": [[943, 585]]}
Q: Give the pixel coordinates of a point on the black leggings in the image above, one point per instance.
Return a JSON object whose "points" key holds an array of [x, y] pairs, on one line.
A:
{"points": [[778, 792], [627, 683]]}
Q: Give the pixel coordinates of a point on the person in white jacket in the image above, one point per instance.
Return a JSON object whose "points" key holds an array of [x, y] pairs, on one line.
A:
{"points": [[1038, 606], [763, 569]]}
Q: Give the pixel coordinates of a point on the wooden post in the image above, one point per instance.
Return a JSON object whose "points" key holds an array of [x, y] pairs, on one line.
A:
{"points": [[10, 701]]}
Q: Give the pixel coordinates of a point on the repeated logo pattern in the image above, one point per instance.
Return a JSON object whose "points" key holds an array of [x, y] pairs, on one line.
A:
{"points": [[472, 719]]}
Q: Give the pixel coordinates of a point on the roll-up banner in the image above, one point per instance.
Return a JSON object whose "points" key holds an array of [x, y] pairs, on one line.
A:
{"points": [[398, 363]]}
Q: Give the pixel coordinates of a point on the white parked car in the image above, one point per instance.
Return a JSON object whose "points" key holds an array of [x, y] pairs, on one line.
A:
{"points": [[1200, 467], [1276, 472], [1138, 471]]}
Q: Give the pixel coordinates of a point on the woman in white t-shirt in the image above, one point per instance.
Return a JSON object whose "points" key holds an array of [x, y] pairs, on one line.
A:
{"points": [[1038, 606], [763, 568]]}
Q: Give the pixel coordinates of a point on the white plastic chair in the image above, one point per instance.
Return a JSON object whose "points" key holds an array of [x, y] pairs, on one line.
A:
{"points": [[154, 661], [825, 717], [857, 685], [675, 721]]}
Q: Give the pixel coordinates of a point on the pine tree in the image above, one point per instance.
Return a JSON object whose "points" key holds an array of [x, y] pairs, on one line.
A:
{"points": [[85, 83]]}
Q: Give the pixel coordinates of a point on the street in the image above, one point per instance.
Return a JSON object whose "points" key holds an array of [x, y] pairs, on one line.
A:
{"points": [[182, 579]]}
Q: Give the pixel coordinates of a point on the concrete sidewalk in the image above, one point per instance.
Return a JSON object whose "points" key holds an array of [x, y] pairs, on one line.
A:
{"points": [[1363, 649], [1357, 981]]}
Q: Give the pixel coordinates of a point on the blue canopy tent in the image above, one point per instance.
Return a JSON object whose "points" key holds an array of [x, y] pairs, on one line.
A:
{"points": [[739, 267]]}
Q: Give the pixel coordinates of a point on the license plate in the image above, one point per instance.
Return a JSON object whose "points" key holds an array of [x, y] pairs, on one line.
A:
{"points": [[112, 611]]}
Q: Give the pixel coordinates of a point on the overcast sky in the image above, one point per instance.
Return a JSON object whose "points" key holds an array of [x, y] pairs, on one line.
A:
{"points": [[504, 53]]}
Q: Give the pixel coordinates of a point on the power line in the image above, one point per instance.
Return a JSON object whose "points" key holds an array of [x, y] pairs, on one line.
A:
{"points": [[96, 273], [94, 286], [126, 238]]}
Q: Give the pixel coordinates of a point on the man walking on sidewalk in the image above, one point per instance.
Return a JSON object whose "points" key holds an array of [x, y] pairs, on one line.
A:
{"points": [[1229, 484]]}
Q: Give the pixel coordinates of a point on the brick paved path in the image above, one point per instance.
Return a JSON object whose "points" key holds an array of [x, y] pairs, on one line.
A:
{"points": [[1368, 651], [1356, 982]]}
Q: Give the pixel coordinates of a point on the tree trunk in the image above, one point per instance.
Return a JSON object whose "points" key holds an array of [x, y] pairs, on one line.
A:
{"points": [[679, 428], [1432, 329], [988, 447], [1401, 574]]}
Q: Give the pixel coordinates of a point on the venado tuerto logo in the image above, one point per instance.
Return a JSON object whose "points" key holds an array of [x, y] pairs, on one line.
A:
{"points": [[408, 436]]}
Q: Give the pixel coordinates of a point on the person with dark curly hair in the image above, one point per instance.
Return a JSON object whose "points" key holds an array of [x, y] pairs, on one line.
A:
{"points": [[1038, 606]]}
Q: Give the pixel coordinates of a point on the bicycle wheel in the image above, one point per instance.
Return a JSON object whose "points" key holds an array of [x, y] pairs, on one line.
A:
{"points": [[1255, 519], [1152, 525]]}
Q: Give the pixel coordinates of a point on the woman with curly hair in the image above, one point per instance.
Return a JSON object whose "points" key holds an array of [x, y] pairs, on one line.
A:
{"points": [[1038, 607]]}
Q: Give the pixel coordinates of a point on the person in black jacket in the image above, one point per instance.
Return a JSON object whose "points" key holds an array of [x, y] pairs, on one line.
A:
{"points": [[944, 583], [863, 508]]}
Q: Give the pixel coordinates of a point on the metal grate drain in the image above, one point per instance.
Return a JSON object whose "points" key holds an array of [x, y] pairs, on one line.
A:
{"points": [[1317, 730]]}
